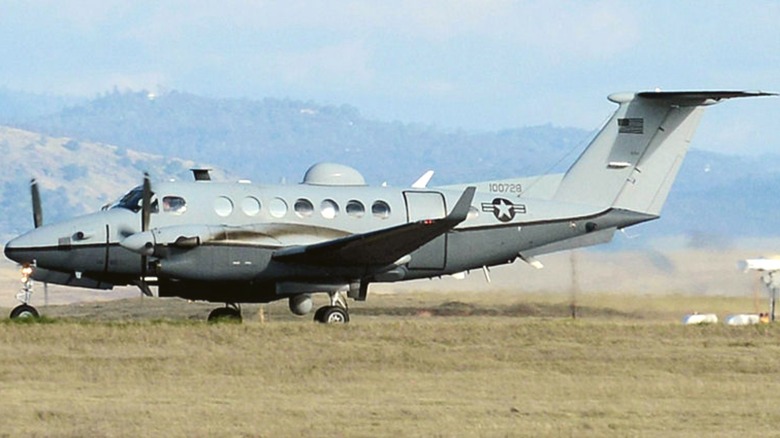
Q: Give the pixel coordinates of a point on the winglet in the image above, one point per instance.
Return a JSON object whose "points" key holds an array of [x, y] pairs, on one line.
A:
{"points": [[460, 212]]}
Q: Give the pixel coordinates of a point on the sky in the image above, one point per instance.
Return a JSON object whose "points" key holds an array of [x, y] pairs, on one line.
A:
{"points": [[478, 65]]}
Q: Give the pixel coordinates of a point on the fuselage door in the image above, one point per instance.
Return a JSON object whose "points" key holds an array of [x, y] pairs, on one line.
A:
{"points": [[421, 206]]}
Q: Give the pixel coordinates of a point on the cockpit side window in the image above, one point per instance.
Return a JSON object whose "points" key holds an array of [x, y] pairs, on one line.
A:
{"points": [[133, 199], [174, 204]]}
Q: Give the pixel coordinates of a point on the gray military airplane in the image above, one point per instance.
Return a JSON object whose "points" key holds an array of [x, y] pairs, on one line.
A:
{"points": [[243, 243]]}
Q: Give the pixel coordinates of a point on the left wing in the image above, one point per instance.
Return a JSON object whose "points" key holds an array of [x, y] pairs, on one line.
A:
{"points": [[381, 247]]}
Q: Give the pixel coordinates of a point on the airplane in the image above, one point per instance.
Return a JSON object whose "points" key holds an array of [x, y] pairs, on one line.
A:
{"points": [[238, 242]]}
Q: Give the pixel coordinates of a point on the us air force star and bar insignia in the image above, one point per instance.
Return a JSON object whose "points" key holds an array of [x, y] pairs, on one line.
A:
{"points": [[503, 209]]}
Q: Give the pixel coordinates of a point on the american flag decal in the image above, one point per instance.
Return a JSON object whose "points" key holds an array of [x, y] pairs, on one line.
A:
{"points": [[631, 126]]}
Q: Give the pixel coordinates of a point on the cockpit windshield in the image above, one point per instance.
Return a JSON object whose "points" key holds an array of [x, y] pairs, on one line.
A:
{"points": [[133, 199]]}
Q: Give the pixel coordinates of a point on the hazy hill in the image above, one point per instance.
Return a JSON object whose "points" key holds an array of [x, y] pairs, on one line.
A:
{"points": [[717, 196], [272, 139], [16, 106]]}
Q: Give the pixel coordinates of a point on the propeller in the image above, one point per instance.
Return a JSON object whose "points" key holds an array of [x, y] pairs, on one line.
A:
{"points": [[146, 211], [36, 203], [37, 222], [146, 203]]}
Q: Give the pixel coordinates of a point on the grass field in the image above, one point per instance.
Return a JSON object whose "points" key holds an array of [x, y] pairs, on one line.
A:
{"points": [[431, 364]]}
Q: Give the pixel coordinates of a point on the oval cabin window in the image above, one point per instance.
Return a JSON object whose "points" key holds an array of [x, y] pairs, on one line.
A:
{"points": [[355, 209], [303, 208], [251, 206], [380, 209], [277, 207], [223, 206], [329, 209]]}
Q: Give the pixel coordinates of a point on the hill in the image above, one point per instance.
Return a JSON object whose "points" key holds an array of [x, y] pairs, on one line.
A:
{"points": [[265, 139], [74, 176]]}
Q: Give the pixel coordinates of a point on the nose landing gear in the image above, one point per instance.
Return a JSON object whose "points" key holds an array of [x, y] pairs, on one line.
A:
{"points": [[25, 310]]}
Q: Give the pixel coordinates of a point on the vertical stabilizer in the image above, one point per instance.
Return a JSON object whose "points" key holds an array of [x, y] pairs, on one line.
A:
{"points": [[634, 159]]}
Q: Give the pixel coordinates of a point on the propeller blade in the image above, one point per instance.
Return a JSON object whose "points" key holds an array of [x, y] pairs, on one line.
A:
{"points": [[36, 204], [146, 203], [146, 211]]}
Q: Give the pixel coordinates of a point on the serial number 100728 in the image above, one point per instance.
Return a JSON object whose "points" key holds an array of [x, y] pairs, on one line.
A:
{"points": [[506, 188]]}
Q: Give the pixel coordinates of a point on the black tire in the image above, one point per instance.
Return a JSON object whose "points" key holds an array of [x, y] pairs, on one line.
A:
{"points": [[24, 311], [319, 312], [225, 314], [334, 315]]}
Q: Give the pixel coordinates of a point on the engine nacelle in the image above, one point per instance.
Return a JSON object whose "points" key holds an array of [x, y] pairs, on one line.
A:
{"points": [[300, 304]]}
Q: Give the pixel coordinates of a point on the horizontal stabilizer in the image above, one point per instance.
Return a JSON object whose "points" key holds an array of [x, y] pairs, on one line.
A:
{"points": [[696, 97], [378, 248]]}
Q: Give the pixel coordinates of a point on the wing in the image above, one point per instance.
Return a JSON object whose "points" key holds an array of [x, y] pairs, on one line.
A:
{"points": [[381, 247]]}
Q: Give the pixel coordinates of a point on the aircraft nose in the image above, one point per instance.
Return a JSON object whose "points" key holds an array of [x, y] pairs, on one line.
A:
{"points": [[21, 249]]}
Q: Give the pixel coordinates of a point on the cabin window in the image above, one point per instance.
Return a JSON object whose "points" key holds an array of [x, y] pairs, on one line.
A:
{"points": [[303, 207], [355, 208], [277, 207], [380, 209], [223, 206], [251, 206], [329, 209], [174, 204]]}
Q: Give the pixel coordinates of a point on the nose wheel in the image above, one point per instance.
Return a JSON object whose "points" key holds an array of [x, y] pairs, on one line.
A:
{"points": [[335, 313], [23, 311]]}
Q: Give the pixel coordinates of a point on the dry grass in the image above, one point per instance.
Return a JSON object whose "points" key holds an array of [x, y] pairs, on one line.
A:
{"points": [[623, 370]]}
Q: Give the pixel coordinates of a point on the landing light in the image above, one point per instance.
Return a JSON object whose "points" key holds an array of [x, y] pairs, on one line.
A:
{"points": [[27, 271]]}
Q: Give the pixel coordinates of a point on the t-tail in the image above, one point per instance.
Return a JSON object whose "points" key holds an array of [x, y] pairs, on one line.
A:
{"points": [[633, 161]]}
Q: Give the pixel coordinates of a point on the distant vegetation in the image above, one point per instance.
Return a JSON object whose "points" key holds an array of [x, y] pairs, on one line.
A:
{"points": [[717, 196]]}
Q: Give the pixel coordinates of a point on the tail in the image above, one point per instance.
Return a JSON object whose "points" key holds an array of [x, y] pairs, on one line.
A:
{"points": [[634, 159]]}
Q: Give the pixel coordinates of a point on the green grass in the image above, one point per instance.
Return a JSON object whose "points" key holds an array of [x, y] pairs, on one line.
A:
{"points": [[623, 371]]}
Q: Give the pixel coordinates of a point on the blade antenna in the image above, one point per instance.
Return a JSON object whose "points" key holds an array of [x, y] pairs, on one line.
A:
{"points": [[36, 204]]}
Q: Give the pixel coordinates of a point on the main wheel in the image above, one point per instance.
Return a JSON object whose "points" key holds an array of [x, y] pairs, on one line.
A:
{"points": [[319, 312], [226, 314], [333, 315], [24, 311]]}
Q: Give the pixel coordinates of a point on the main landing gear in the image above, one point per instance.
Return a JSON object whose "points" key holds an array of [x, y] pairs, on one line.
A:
{"points": [[25, 310], [336, 313], [230, 313]]}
